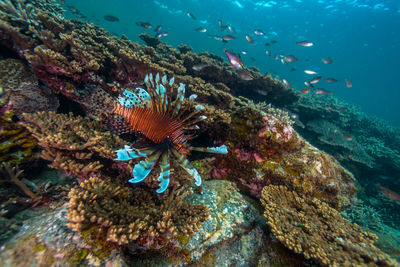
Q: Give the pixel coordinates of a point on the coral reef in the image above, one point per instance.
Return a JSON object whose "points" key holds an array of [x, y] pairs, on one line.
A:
{"points": [[133, 217], [80, 146], [46, 238], [267, 151], [312, 228], [358, 141], [333, 139], [12, 175], [16, 144], [22, 87]]}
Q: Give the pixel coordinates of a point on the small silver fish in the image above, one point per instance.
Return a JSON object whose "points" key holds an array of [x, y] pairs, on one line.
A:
{"points": [[161, 34], [221, 26], [276, 57], [249, 39], [244, 75], [227, 38], [145, 25], [216, 37], [231, 29], [321, 91], [200, 29], [347, 136], [268, 52], [290, 59], [315, 80], [327, 60], [200, 66], [190, 15], [286, 82], [158, 28], [305, 43], [330, 80], [311, 72], [259, 32], [349, 84]]}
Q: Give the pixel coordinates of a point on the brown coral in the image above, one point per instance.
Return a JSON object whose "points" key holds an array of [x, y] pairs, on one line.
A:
{"points": [[16, 144], [269, 151], [79, 146], [129, 216], [22, 87], [312, 228]]}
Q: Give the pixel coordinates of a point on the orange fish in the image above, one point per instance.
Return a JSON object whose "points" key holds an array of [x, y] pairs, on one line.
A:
{"points": [[389, 193], [305, 91]]}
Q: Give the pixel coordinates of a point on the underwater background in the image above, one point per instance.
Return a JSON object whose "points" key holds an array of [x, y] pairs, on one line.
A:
{"points": [[361, 36], [199, 133]]}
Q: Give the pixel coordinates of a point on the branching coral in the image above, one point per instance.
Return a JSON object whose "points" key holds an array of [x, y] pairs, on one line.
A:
{"points": [[16, 143], [312, 228], [77, 145], [133, 216], [332, 137], [9, 174]]}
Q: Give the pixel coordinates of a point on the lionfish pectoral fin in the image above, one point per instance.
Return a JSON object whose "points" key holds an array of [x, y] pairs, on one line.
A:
{"points": [[164, 174], [143, 168], [185, 164], [219, 150], [128, 153]]}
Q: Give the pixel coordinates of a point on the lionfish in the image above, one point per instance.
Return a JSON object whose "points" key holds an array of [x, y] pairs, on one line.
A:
{"points": [[158, 115]]}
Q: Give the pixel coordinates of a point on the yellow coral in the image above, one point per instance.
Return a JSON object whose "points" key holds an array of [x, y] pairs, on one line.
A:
{"points": [[312, 228], [125, 215]]}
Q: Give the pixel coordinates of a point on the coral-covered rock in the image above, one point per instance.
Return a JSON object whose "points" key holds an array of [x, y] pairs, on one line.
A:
{"points": [[312, 228], [22, 87], [16, 144], [132, 217], [268, 151], [80, 146], [230, 237]]}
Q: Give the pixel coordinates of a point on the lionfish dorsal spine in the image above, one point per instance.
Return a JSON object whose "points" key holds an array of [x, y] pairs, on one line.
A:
{"points": [[179, 98]]}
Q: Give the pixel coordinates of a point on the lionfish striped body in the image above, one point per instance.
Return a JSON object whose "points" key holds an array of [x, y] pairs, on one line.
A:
{"points": [[157, 115]]}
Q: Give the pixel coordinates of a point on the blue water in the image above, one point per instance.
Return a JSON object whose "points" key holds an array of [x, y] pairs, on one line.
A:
{"points": [[361, 36]]}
